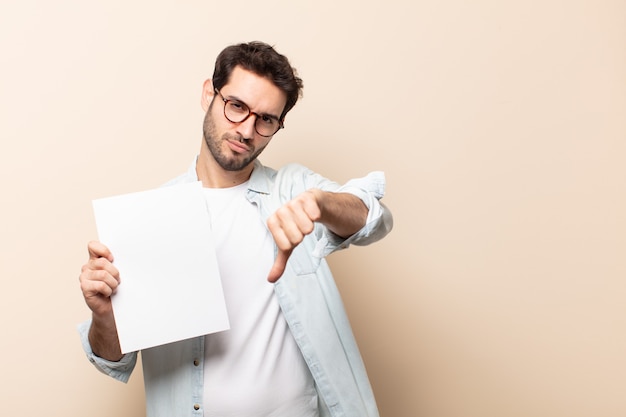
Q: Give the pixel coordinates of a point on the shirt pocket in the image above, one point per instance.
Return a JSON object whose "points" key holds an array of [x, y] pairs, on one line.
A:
{"points": [[302, 260]]}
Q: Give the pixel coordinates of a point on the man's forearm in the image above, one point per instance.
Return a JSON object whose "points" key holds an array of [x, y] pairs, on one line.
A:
{"points": [[343, 213], [103, 338]]}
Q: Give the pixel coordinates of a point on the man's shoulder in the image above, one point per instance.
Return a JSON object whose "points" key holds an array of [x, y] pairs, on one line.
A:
{"points": [[295, 176], [292, 166], [181, 179], [187, 177], [288, 172], [293, 170], [286, 181]]}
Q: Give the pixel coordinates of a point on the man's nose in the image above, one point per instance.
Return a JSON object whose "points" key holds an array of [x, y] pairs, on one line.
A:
{"points": [[247, 128]]}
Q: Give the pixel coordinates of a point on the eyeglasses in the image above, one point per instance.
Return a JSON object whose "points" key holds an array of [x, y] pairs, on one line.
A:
{"points": [[236, 111]]}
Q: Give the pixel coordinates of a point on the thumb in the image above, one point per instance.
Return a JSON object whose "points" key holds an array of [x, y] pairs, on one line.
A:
{"points": [[279, 265]]}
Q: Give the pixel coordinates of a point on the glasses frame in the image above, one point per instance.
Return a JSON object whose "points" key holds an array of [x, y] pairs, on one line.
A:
{"points": [[250, 112]]}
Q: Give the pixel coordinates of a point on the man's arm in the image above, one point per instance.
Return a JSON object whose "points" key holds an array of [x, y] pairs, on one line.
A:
{"points": [[103, 338], [342, 213], [98, 280]]}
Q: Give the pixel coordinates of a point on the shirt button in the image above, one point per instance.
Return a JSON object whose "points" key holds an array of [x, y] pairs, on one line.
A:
{"points": [[196, 407], [196, 362]]}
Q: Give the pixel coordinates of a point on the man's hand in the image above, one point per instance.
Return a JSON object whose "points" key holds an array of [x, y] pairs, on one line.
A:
{"points": [[98, 281], [289, 224], [99, 278], [342, 213]]}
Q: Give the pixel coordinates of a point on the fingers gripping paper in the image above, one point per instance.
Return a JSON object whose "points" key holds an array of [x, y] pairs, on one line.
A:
{"points": [[170, 287]]}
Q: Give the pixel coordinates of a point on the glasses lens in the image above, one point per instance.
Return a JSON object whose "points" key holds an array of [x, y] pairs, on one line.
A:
{"points": [[266, 126], [236, 111]]}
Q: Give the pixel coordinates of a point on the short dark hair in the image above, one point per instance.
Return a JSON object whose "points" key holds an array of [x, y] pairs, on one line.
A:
{"points": [[261, 59]]}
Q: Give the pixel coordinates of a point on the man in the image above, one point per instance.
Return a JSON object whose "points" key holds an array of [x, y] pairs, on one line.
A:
{"points": [[290, 350]]}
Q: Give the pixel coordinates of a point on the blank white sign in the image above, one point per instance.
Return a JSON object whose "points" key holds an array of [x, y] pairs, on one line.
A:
{"points": [[170, 284]]}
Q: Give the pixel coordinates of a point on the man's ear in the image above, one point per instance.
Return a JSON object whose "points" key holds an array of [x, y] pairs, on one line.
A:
{"points": [[207, 94]]}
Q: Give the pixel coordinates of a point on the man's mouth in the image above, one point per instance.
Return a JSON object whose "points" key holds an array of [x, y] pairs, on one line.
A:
{"points": [[237, 146]]}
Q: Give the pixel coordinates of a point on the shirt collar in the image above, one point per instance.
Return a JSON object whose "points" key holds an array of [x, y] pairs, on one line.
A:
{"points": [[259, 179]]}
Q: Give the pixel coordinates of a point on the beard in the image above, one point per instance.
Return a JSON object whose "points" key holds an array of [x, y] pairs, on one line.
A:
{"points": [[225, 159]]}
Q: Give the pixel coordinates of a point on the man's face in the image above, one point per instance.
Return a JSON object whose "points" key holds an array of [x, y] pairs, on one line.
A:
{"points": [[235, 145]]}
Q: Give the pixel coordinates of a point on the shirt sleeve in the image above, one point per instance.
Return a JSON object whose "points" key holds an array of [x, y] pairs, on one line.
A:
{"points": [[370, 189], [120, 370]]}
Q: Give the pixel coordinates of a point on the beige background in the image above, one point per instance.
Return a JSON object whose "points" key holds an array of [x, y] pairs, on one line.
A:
{"points": [[501, 127]]}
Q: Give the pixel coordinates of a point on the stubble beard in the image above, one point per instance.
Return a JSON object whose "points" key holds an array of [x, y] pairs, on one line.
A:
{"points": [[214, 144]]}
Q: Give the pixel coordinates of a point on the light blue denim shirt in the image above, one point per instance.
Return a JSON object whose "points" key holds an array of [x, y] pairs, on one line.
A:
{"points": [[308, 297]]}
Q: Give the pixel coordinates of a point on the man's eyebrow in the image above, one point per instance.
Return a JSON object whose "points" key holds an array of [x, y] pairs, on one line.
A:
{"points": [[235, 98]]}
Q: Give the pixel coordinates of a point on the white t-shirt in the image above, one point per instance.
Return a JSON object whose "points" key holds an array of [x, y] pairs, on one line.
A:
{"points": [[255, 369]]}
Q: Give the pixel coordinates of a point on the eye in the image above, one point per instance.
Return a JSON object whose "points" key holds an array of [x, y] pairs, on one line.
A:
{"points": [[237, 106], [267, 120]]}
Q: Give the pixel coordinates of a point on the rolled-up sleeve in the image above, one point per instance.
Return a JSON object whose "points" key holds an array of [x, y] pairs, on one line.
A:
{"points": [[120, 370], [370, 189]]}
